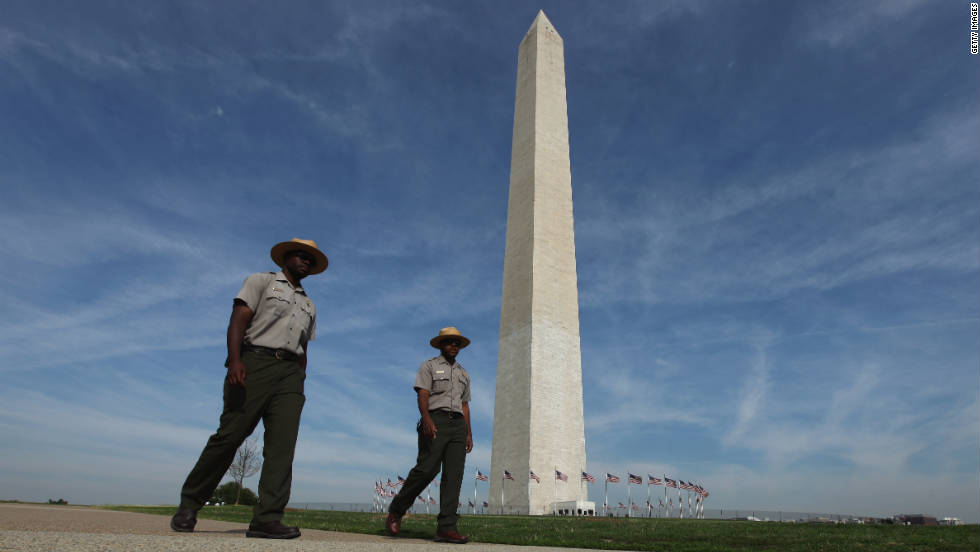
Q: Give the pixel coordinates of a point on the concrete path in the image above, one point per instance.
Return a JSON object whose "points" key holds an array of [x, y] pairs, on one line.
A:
{"points": [[38, 527]]}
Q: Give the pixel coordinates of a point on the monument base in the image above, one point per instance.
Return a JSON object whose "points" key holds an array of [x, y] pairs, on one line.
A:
{"points": [[573, 508]]}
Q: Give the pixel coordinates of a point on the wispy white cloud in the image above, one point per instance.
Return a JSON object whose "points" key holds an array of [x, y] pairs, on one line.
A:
{"points": [[614, 393], [755, 387], [842, 24], [878, 234]]}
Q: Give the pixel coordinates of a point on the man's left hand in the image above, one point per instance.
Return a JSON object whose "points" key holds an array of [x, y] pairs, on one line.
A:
{"points": [[469, 443]]}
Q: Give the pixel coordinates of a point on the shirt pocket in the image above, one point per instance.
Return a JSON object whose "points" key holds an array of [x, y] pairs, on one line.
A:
{"points": [[440, 383], [306, 308], [463, 384], [277, 300]]}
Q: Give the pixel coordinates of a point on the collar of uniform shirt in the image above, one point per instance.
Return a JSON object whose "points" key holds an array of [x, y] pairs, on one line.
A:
{"points": [[281, 277], [443, 360]]}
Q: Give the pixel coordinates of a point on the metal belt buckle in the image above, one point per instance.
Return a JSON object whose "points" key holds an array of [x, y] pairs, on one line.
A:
{"points": [[278, 354]]}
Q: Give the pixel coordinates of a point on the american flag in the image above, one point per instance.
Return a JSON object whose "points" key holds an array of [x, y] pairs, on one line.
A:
{"points": [[635, 507], [480, 476], [561, 476], [611, 478], [686, 486], [661, 503], [470, 502], [622, 506], [671, 502], [401, 481], [421, 499], [535, 477], [635, 479], [486, 504], [670, 482], [651, 480], [390, 484], [507, 475], [432, 500], [588, 477]]}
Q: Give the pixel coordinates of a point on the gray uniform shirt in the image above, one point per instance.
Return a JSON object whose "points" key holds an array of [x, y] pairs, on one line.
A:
{"points": [[449, 385], [283, 316]]}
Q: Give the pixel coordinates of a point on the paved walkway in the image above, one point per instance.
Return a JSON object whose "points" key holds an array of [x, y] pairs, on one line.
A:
{"points": [[38, 527]]}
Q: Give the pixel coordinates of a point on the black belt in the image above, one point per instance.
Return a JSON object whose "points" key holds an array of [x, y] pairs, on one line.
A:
{"points": [[280, 354], [448, 413]]}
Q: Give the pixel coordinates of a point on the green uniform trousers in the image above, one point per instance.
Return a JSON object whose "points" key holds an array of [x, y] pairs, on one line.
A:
{"points": [[448, 452], [273, 393]]}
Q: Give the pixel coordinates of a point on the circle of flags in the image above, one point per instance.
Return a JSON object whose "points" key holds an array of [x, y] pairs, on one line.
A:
{"points": [[665, 506]]}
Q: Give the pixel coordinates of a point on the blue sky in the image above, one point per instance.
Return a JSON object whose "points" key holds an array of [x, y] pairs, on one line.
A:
{"points": [[777, 237]]}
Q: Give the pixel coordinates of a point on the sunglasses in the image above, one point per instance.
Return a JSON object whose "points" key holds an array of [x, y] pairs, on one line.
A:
{"points": [[305, 257]]}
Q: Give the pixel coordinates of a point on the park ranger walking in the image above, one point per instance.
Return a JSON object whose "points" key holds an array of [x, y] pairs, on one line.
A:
{"points": [[445, 437], [272, 321]]}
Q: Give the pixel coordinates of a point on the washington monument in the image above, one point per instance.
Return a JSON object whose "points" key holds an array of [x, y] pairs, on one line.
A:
{"points": [[538, 421]]}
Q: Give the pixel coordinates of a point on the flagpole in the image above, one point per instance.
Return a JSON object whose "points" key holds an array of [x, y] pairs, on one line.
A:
{"points": [[666, 502], [605, 496], [680, 505], [474, 489], [503, 480], [649, 506], [701, 494], [629, 495], [697, 501], [554, 507], [680, 501], [704, 499]]}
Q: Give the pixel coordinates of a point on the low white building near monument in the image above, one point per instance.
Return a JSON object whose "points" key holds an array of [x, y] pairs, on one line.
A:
{"points": [[574, 508]]}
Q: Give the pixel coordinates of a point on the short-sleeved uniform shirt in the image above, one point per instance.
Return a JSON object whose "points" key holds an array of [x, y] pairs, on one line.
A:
{"points": [[283, 316], [449, 386]]}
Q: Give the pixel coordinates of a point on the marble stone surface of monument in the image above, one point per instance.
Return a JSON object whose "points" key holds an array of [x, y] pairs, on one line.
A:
{"points": [[538, 412]]}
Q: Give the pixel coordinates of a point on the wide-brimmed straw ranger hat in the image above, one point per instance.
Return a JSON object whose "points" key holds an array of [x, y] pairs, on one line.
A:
{"points": [[448, 333], [280, 250]]}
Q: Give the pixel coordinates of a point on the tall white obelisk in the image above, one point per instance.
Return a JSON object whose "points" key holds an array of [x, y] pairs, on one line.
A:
{"points": [[538, 420]]}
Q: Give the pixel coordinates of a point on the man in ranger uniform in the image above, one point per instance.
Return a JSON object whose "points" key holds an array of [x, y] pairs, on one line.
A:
{"points": [[445, 438], [272, 321]]}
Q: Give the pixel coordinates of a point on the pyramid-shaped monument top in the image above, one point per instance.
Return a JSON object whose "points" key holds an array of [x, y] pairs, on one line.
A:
{"points": [[542, 23]]}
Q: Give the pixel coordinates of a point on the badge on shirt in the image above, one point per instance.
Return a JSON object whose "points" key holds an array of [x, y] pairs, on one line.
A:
{"points": [[440, 371]]}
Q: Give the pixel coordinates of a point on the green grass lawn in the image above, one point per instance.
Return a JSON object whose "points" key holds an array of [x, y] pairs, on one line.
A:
{"points": [[632, 534]]}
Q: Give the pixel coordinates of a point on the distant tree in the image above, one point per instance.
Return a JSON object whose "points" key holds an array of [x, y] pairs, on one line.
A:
{"points": [[247, 463], [232, 490], [59, 501]]}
